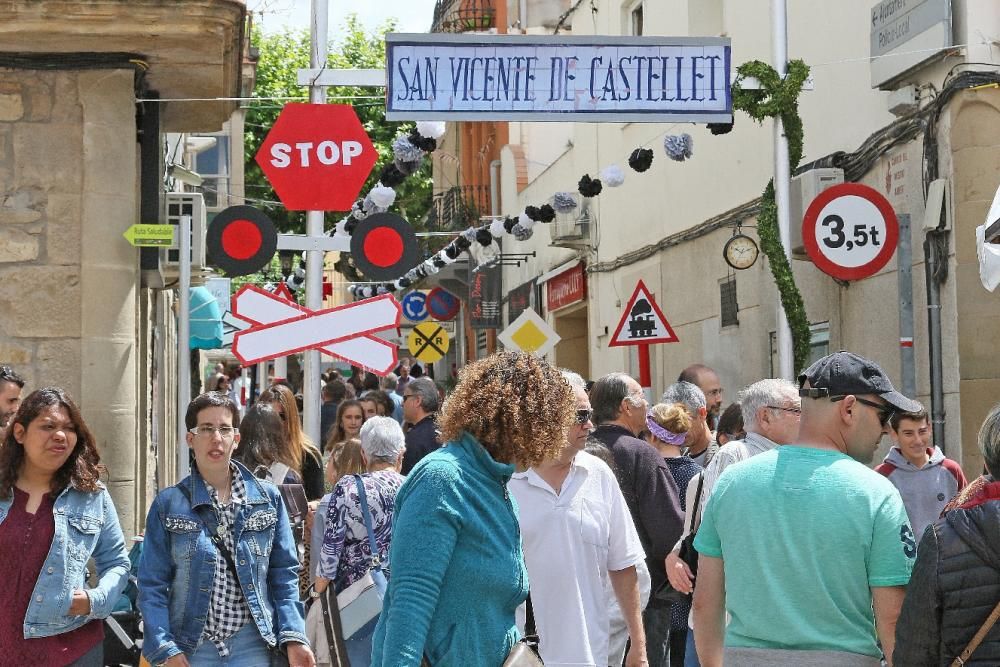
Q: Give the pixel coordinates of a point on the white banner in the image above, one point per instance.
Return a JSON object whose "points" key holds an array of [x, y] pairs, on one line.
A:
{"points": [[558, 78]]}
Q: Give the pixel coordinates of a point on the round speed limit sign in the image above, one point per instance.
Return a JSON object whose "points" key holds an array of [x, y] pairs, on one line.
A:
{"points": [[850, 231]]}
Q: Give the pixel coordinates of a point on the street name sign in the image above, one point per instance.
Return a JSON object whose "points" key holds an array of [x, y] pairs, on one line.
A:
{"points": [[143, 236], [906, 33], [558, 78], [850, 231], [642, 322]]}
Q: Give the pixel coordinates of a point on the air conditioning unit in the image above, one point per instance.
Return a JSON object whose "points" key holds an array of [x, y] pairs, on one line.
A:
{"points": [[804, 188], [572, 230], [179, 204]]}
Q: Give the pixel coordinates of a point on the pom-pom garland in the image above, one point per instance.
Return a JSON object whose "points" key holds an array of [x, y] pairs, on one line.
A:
{"points": [[484, 236], [546, 213], [563, 202], [508, 224], [612, 176], [679, 147], [426, 144], [522, 233], [382, 196], [641, 159], [391, 176], [496, 228], [720, 128], [408, 168], [403, 150], [432, 129], [589, 187]]}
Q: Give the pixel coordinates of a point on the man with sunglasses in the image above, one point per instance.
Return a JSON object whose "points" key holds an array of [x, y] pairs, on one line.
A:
{"points": [[809, 534], [579, 541]]}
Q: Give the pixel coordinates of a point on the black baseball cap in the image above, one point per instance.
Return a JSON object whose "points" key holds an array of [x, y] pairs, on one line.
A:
{"points": [[845, 373]]}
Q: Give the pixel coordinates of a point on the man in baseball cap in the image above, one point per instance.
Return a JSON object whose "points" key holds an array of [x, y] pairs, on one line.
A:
{"points": [[807, 526]]}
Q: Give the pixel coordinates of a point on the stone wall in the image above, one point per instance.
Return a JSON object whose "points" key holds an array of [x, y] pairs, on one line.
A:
{"points": [[68, 280]]}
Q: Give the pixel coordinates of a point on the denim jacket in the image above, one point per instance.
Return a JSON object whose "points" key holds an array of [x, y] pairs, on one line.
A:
{"points": [[178, 567], [86, 526]]}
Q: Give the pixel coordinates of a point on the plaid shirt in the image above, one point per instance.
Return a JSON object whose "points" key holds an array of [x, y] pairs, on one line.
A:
{"points": [[228, 611]]}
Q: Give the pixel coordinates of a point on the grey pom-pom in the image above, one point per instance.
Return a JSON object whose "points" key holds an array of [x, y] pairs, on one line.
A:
{"points": [[563, 202], [679, 147], [521, 233], [404, 150]]}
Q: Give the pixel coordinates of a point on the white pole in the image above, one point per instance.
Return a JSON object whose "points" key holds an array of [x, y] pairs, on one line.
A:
{"points": [[782, 178], [183, 345], [314, 228]]}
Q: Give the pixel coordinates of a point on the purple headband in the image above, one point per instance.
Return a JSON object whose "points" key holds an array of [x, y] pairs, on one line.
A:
{"points": [[663, 434]]}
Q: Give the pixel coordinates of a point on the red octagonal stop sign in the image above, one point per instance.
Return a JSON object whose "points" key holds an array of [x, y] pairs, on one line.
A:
{"points": [[317, 157]]}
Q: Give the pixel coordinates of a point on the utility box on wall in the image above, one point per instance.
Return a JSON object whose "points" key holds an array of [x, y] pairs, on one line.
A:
{"points": [[804, 188]]}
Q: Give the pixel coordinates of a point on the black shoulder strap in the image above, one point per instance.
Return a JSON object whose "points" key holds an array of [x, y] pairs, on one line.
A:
{"points": [[529, 619], [213, 536], [697, 501]]}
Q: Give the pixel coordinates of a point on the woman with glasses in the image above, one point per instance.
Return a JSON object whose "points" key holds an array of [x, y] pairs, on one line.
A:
{"points": [[218, 576], [55, 515], [457, 568], [308, 460]]}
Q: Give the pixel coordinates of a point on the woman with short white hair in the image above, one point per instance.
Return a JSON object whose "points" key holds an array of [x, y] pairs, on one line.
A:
{"points": [[346, 555]]}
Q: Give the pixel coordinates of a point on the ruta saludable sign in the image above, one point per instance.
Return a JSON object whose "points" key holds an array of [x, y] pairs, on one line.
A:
{"points": [[558, 78]]}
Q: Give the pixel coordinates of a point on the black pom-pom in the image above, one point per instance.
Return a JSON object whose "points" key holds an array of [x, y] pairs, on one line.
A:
{"points": [[350, 225], [404, 283], [407, 168], [640, 159], [463, 243], [426, 144], [391, 176], [590, 187], [546, 213], [438, 262], [452, 251], [484, 237], [533, 213], [421, 272], [508, 224], [720, 128]]}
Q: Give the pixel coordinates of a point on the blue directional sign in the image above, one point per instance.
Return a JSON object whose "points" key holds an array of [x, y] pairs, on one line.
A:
{"points": [[415, 306]]}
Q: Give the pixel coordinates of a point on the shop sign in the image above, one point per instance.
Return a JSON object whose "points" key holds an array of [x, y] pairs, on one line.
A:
{"points": [[520, 299], [567, 288], [559, 78], [485, 295]]}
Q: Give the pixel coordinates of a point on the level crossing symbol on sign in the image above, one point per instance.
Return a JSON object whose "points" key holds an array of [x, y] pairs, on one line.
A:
{"points": [[428, 342], [850, 231], [281, 327], [643, 322], [415, 306]]}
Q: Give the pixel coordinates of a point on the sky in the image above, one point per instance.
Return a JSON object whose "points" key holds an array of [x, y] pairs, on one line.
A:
{"points": [[276, 15]]}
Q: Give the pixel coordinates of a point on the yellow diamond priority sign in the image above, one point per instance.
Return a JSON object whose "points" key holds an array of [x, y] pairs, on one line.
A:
{"points": [[529, 333], [428, 342]]}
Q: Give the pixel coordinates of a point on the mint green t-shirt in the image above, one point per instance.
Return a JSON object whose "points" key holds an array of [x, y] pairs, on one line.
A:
{"points": [[804, 533]]}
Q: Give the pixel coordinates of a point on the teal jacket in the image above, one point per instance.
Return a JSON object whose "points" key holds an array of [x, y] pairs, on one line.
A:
{"points": [[457, 567]]}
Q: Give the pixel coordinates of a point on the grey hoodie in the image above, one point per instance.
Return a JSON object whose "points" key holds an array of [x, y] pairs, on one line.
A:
{"points": [[925, 491]]}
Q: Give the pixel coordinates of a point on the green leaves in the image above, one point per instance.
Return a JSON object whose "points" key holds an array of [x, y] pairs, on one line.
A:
{"points": [[778, 97]]}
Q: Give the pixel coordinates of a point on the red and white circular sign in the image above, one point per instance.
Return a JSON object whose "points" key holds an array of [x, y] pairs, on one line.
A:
{"points": [[850, 231]]}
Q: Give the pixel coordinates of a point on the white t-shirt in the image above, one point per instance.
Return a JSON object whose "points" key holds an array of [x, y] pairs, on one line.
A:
{"points": [[571, 541]]}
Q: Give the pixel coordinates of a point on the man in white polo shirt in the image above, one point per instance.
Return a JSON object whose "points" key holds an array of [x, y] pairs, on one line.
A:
{"points": [[577, 534]]}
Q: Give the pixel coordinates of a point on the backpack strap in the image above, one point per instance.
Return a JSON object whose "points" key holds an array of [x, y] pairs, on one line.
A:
{"points": [[363, 497], [978, 638], [212, 535]]}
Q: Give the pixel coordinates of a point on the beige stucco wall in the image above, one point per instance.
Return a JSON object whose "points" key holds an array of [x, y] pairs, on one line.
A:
{"points": [[68, 183]]}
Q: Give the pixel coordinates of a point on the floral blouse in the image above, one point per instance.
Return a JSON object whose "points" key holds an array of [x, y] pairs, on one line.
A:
{"points": [[346, 555]]}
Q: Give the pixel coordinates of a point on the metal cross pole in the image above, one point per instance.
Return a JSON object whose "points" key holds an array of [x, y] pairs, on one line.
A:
{"points": [[314, 228], [782, 183]]}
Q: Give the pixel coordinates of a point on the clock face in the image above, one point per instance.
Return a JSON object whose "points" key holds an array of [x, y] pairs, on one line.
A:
{"points": [[741, 252]]}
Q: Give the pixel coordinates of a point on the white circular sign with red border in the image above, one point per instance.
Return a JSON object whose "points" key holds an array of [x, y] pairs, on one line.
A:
{"points": [[850, 231]]}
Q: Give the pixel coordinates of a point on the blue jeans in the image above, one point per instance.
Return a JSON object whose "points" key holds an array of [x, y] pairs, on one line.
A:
{"points": [[246, 649], [690, 654], [656, 623], [359, 645]]}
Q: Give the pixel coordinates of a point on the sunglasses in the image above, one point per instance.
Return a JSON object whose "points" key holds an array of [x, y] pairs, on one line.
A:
{"points": [[583, 416], [885, 412]]}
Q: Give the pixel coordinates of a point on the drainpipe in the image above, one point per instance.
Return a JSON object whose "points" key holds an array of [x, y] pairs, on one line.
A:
{"points": [[522, 13], [934, 277], [495, 188]]}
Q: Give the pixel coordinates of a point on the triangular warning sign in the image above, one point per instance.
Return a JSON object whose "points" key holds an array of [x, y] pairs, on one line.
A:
{"points": [[642, 322]]}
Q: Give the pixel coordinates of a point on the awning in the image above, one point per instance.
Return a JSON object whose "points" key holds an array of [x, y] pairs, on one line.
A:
{"points": [[205, 320]]}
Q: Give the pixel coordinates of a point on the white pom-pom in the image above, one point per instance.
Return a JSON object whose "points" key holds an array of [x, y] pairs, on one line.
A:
{"points": [[430, 129], [496, 228], [382, 196], [341, 228], [448, 260], [525, 221], [612, 176]]}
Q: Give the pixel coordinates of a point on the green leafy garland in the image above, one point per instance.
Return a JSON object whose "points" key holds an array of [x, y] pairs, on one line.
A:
{"points": [[778, 97]]}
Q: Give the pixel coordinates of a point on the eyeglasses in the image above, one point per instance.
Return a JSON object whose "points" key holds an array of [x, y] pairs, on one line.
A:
{"points": [[885, 412], [584, 416], [406, 396], [206, 431], [794, 411]]}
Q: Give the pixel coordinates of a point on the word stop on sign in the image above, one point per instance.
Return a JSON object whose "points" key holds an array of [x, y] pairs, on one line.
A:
{"points": [[325, 152]]}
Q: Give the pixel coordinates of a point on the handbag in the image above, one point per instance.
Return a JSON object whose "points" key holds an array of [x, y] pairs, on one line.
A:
{"points": [[323, 630], [361, 602], [524, 652], [688, 554], [978, 638]]}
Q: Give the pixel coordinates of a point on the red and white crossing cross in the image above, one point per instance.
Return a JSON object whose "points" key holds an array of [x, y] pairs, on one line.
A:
{"points": [[281, 327]]}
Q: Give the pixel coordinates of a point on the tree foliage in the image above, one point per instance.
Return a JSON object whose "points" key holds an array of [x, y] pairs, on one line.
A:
{"points": [[281, 56]]}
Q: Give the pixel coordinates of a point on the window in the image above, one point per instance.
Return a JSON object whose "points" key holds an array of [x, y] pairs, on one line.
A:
{"points": [[635, 22], [819, 345], [727, 297]]}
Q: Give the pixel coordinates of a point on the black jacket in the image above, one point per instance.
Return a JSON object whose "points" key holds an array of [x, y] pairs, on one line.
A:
{"points": [[954, 587], [650, 493], [421, 440]]}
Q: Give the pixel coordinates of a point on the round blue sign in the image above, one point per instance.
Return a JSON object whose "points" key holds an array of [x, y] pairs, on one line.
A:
{"points": [[415, 306], [442, 304]]}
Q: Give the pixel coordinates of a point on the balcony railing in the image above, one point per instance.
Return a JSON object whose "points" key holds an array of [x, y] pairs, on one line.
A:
{"points": [[463, 16], [459, 208]]}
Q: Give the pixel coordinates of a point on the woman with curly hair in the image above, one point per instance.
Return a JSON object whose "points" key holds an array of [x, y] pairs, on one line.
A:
{"points": [[308, 460], [54, 517], [457, 567]]}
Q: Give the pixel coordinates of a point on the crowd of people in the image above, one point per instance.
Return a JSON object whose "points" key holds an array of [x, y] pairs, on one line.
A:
{"points": [[527, 513]]}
